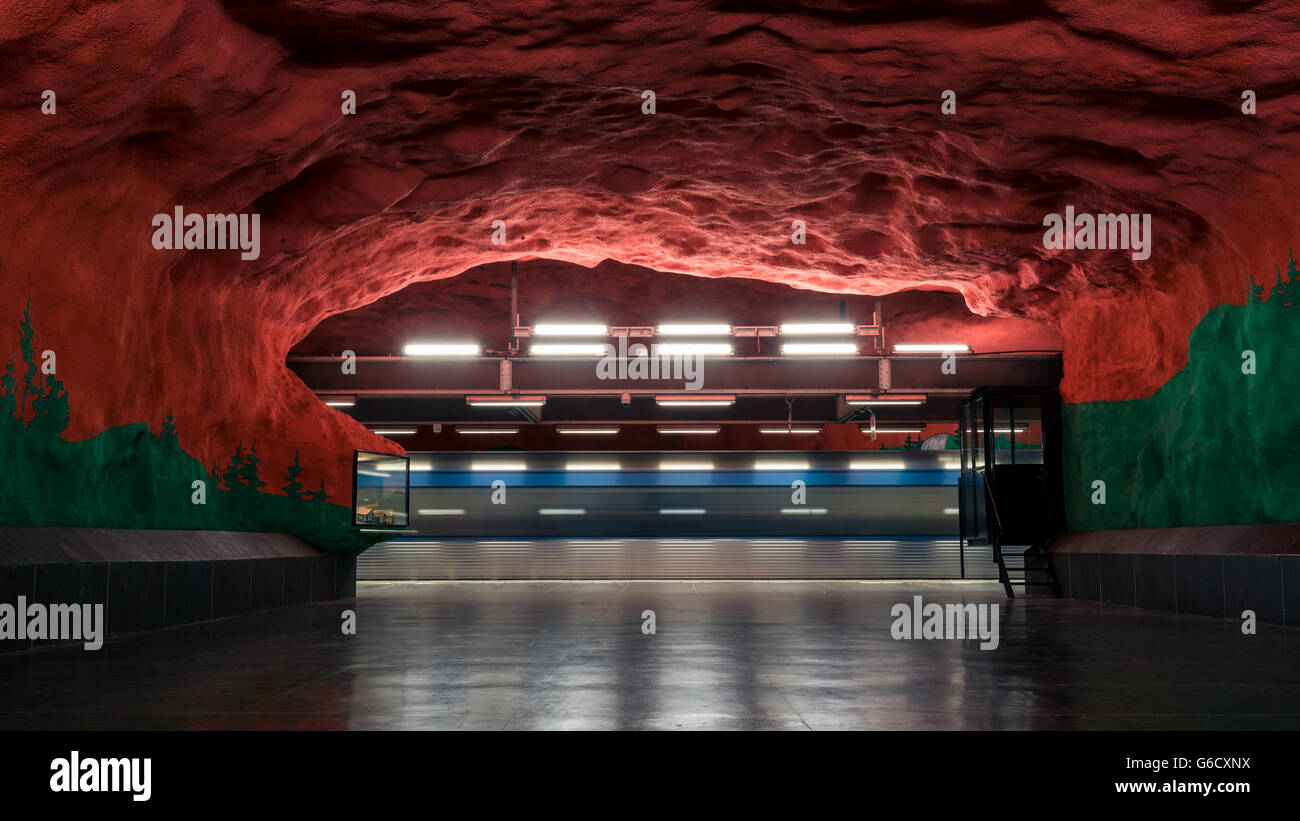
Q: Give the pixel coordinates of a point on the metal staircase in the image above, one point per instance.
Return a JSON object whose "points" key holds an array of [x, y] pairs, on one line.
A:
{"points": [[1024, 566]]}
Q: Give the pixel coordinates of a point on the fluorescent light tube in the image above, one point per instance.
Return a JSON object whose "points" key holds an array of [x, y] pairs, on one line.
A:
{"points": [[694, 329], [567, 349], [817, 328], [942, 347], [816, 348], [506, 401], [701, 348], [441, 349], [693, 429], [704, 400], [569, 329]]}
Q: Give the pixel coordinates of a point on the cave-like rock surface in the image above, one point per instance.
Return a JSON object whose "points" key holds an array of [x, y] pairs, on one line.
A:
{"points": [[531, 113]]}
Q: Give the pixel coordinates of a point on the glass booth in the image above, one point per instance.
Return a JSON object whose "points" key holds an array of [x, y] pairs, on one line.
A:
{"points": [[1010, 490]]}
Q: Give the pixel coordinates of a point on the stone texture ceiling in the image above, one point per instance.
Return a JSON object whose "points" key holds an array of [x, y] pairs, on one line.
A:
{"points": [[530, 112]]}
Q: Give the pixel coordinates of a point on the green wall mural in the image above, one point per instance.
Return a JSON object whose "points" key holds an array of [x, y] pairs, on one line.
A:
{"points": [[126, 477], [1216, 444]]}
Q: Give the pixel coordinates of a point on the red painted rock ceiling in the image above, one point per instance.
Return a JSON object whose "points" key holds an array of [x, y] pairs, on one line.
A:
{"points": [[531, 113]]}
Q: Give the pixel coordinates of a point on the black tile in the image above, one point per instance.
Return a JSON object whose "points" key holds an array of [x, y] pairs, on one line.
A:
{"points": [[268, 584], [16, 580], [135, 596], [1253, 583], [1291, 589], [322, 578], [74, 583], [232, 587], [1061, 567], [1199, 582], [189, 592], [83, 583], [1085, 576], [1117, 578], [297, 581], [345, 578], [1155, 582]]}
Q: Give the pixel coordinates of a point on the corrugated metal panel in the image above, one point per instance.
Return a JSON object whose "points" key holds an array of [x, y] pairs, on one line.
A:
{"points": [[686, 558]]}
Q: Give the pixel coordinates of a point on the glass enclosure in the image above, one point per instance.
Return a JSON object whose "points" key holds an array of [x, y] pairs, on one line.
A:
{"points": [[380, 490], [1010, 486]]}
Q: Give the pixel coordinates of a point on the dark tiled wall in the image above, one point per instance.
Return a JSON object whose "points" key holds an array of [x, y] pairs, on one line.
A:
{"points": [[151, 595], [1220, 586]]}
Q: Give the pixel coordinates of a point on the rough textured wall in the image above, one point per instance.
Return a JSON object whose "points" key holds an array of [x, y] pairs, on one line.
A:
{"points": [[1214, 446], [532, 113]]}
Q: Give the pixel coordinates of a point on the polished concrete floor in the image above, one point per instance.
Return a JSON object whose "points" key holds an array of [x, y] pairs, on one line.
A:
{"points": [[791, 656]]}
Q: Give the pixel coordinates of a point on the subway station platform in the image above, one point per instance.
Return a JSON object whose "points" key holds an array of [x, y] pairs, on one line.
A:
{"points": [[724, 656]]}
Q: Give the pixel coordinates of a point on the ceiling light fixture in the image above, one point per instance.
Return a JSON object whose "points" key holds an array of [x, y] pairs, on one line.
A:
{"points": [[792, 430], [886, 399], [817, 328], [683, 401], [942, 347], [567, 349], [891, 429], [488, 431], [689, 429], [588, 431], [506, 401], [701, 348], [569, 329], [694, 329], [441, 349], [819, 348]]}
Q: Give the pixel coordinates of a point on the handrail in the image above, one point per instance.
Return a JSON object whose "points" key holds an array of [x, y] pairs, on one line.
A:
{"points": [[995, 535], [993, 503]]}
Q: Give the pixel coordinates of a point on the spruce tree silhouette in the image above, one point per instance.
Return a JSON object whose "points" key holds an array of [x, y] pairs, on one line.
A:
{"points": [[248, 470], [9, 391], [231, 475], [294, 489], [168, 432], [48, 397]]}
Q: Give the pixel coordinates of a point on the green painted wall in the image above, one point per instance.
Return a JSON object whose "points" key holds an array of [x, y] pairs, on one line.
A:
{"points": [[127, 477], [1214, 445]]}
